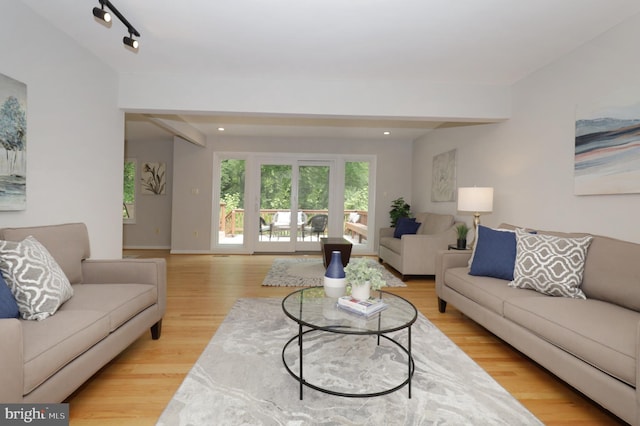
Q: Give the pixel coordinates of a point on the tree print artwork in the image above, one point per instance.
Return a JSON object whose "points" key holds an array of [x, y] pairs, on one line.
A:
{"points": [[13, 144]]}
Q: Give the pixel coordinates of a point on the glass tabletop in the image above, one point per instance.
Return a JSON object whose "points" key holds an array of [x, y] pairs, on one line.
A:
{"points": [[310, 307]]}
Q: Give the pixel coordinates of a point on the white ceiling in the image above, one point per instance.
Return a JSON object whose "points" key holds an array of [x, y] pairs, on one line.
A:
{"points": [[496, 42]]}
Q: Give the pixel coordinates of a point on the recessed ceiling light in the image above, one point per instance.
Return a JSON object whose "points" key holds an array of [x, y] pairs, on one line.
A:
{"points": [[221, 129], [386, 133]]}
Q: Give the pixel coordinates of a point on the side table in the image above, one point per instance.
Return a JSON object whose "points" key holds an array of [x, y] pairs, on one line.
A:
{"points": [[455, 247], [342, 245]]}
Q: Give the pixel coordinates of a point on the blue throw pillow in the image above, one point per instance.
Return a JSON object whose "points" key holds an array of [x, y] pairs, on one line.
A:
{"points": [[495, 253], [8, 305], [406, 225]]}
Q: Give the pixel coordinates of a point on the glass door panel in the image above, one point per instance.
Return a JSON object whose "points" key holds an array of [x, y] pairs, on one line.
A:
{"points": [[313, 202], [231, 229], [277, 229], [356, 202]]}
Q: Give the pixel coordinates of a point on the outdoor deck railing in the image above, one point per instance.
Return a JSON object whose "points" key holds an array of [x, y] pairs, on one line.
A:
{"points": [[232, 221]]}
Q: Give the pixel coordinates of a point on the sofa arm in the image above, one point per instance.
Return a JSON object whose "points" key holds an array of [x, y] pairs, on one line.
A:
{"points": [[447, 259], [386, 232], [128, 271], [12, 361], [418, 251]]}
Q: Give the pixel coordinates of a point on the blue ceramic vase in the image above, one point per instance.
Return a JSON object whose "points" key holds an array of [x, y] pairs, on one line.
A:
{"points": [[335, 282], [335, 268]]}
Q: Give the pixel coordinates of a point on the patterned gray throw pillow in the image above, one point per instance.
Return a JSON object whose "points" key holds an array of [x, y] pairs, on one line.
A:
{"points": [[549, 264], [34, 277]]}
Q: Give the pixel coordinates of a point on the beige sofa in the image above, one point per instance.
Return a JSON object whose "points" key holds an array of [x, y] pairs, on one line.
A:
{"points": [[114, 303], [591, 344], [416, 254]]}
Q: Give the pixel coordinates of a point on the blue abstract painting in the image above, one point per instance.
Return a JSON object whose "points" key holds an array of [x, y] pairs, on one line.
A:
{"points": [[607, 152]]}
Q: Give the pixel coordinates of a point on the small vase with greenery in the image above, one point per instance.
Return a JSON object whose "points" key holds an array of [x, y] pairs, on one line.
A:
{"points": [[362, 276], [399, 208], [462, 230]]}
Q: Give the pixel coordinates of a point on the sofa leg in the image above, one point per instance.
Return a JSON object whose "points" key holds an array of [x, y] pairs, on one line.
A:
{"points": [[156, 330], [442, 305]]}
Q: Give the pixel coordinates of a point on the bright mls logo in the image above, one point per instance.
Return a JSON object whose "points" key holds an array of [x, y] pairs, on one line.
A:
{"points": [[34, 414]]}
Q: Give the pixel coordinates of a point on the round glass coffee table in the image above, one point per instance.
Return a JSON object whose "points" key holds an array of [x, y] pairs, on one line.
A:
{"points": [[315, 313]]}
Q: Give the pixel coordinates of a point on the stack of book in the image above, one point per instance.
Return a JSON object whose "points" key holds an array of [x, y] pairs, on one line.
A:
{"points": [[361, 307]]}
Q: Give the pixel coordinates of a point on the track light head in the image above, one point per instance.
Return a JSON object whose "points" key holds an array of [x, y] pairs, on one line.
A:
{"points": [[131, 42], [101, 14]]}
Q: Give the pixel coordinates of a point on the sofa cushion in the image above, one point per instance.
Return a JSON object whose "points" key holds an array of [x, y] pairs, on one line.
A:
{"points": [[602, 334], [549, 264], [486, 291], [433, 223], [494, 254], [51, 344], [35, 279], [405, 225], [612, 272], [68, 244], [120, 302], [8, 305]]}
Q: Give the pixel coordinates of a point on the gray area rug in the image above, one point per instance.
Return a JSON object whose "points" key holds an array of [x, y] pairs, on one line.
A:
{"points": [[240, 379], [309, 272]]}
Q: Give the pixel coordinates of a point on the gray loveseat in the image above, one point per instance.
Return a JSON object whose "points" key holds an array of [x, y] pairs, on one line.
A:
{"points": [[114, 303], [415, 254], [591, 344]]}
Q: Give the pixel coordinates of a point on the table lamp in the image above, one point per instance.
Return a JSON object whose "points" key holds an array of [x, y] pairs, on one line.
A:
{"points": [[476, 200]]}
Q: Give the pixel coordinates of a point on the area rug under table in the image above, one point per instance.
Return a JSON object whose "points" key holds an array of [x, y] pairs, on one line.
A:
{"points": [[309, 271], [240, 379]]}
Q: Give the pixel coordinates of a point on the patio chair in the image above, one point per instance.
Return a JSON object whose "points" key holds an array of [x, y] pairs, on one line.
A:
{"points": [[318, 224], [263, 227], [282, 222]]}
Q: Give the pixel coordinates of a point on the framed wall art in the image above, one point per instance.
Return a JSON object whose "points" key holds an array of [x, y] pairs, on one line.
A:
{"points": [[607, 150], [443, 183], [13, 144], [154, 179]]}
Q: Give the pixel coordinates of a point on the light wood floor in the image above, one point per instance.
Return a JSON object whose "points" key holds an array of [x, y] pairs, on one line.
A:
{"points": [[136, 386]]}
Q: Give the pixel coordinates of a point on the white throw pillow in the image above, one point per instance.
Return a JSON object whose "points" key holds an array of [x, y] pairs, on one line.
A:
{"points": [[34, 277], [550, 265]]}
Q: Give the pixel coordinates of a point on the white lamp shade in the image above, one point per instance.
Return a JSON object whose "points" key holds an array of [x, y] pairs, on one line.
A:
{"points": [[477, 200]]}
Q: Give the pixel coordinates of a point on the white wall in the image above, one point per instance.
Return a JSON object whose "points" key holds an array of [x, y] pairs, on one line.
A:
{"points": [[529, 158], [359, 98], [193, 170], [152, 227], [192, 197], [75, 131]]}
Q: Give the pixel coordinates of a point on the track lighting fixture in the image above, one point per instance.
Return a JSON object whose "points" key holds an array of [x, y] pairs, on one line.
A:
{"points": [[130, 41], [102, 14]]}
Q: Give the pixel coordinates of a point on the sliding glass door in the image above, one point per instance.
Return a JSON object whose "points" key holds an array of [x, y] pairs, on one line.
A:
{"points": [[288, 203]]}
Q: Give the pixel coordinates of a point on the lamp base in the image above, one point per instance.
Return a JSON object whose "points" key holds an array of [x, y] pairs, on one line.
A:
{"points": [[476, 222]]}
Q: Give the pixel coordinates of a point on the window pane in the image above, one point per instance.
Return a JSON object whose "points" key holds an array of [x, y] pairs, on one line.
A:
{"points": [[275, 202], [313, 200], [129, 191]]}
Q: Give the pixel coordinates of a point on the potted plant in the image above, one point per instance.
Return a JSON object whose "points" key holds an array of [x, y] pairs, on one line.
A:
{"points": [[362, 276], [399, 208], [462, 231]]}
